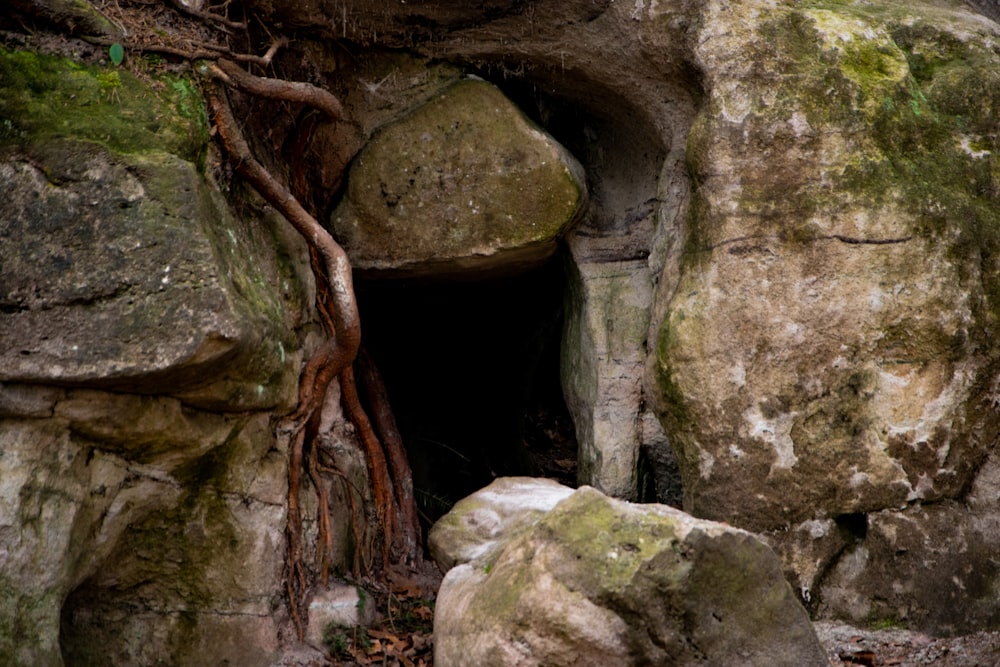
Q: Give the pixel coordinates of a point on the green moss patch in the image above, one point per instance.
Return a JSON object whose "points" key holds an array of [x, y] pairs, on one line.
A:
{"points": [[43, 97]]}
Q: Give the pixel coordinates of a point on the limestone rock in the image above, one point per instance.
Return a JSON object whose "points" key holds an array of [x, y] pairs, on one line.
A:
{"points": [[825, 352], [110, 278], [108, 530], [342, 606], [136, 525], [598, 581], [462, 183], [951, 545], [602, 365]]}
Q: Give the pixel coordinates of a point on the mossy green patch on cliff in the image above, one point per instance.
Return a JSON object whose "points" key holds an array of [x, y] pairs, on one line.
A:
{"points": [[915, 101], [45, 96], [615, 543]]}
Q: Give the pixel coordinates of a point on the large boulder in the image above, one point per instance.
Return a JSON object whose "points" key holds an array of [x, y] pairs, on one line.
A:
{"points": [[828, 352], [599, 581], [462, 184], [951, 544]]}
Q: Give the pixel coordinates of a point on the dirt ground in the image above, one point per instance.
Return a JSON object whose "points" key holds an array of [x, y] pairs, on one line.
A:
{"points": [[848, 646]]}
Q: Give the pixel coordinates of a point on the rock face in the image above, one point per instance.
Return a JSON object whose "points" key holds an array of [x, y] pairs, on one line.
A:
{"points": [[845, 379], [803, 201], [462, 184], [598, 581], [143, 351], [788, 252], [827, 354]]}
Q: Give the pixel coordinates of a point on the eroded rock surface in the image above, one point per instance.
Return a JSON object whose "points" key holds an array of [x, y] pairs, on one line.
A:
{"points": [[825, 349], [800, 200], [147, 334], [599, 581]]}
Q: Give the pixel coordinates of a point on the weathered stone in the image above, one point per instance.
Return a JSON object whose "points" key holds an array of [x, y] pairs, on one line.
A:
{"points": [[135, 528], [480, 525], [424, 198], [824, 353], [811, 548], [340, 607], [930, 567], [20, 400], [108, 278], [120, 265], [602, 365], [598, 581], [132, 544]]}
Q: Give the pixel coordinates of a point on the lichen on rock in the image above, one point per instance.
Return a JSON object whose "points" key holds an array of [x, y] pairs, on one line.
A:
{"points": [[827, 352]]}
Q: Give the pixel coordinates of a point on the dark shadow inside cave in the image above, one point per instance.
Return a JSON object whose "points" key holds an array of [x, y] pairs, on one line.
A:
{"points": [[472, 371]]}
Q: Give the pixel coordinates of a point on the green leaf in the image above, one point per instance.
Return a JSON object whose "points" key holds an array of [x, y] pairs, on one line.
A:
{"points": [[117, 53]]}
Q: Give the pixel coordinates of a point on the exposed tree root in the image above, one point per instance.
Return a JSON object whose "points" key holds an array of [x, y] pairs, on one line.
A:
{"points": [[408, 545], [345, 334], [338, 309], [290, 91]]}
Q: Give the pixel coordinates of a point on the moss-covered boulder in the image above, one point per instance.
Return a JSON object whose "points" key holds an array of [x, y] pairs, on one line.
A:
{"points": [[598, 581], [463, 183]]}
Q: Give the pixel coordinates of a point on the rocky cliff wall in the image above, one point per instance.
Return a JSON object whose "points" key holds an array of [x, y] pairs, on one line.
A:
{"points": [[782, 281]]}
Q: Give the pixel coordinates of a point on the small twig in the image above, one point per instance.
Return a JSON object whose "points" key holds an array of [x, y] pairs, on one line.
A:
{"points": [[263, 60], [187, 54], [202, 51], [208, 16]]}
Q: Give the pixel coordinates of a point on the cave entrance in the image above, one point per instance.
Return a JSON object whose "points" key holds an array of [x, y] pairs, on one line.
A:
{"points": [[472, 371]]}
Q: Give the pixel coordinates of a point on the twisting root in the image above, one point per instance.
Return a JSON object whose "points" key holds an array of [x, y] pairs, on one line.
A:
{"points": [[290, 91], [329, 360], [408, 545], [338, 310], [345, 338], [324, 541], [385, 502]]}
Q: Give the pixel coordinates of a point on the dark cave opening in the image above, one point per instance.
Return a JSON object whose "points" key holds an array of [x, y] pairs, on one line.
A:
{"points": [[472, 371]]}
